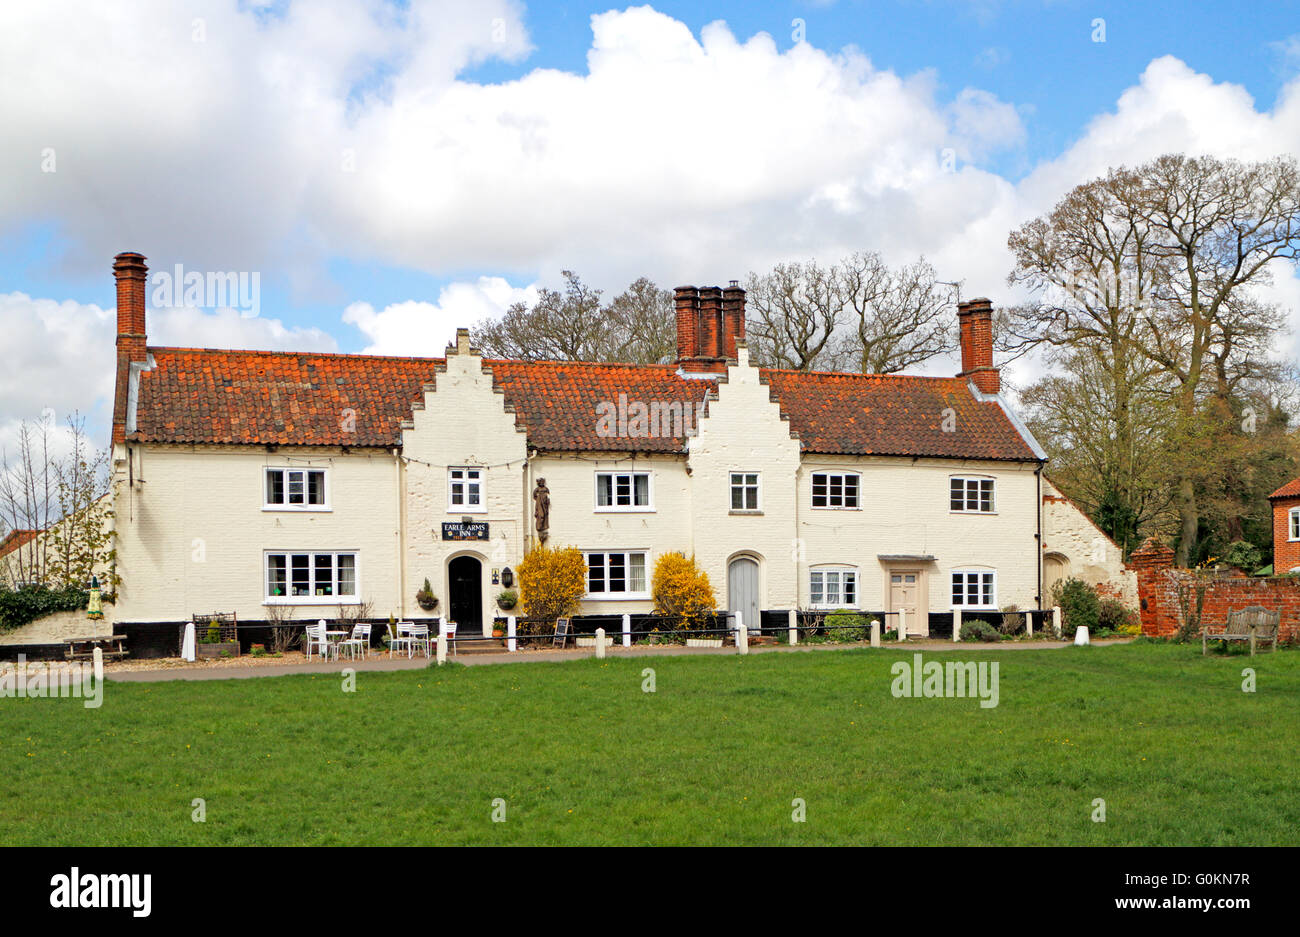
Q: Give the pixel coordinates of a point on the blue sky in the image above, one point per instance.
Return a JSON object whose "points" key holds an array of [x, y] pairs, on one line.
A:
{"points": [[493, 144]]}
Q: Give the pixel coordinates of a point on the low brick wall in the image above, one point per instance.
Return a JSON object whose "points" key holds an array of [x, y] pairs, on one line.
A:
{"points": [[1159, 584]]}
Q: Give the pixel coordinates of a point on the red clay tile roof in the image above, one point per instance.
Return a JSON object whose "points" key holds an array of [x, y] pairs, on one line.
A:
{"points": [[284, 398], [15, 539], [1290, 490], [893, 414]]}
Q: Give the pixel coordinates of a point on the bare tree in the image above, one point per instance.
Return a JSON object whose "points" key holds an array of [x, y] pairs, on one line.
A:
{"points": [[1160, 262], [899, 317], [793, 314], [62, 503]]}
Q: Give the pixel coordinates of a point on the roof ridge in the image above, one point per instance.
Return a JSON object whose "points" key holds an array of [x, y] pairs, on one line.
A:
{"points": [[357, 355]]}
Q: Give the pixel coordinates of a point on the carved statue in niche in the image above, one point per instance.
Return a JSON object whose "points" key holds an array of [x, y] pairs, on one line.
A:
{"points": [[542, 510]]}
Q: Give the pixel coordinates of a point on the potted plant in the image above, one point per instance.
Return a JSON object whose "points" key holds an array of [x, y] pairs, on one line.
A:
{"points": [[508, 599], [499, 630], [425, 597]]}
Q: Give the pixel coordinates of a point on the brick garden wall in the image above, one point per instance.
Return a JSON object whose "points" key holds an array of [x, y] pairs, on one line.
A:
{"points": [[1158, 595]]}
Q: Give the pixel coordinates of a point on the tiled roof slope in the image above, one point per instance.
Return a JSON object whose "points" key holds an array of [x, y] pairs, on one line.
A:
{"points": [[283, 398], [1290, 490]]}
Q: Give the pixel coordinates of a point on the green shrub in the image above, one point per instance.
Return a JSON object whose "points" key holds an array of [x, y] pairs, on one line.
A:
{"points": [[843, 625], [1112, 615], [979, 630], [1243, 555], [1080, 606], [19, 606]]}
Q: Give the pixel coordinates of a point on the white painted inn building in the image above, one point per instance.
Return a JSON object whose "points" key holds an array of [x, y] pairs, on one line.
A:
{"points": [[247, 479]]}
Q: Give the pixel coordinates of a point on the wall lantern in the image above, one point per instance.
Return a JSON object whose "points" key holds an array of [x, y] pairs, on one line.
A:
{"points": [[507, 577]]}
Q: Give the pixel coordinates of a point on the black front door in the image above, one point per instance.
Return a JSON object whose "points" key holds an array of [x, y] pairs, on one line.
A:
{"points": [[465, 607]]}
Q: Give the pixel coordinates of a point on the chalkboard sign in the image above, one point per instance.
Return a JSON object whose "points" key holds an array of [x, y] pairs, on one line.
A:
{"points": [[561, 633]]}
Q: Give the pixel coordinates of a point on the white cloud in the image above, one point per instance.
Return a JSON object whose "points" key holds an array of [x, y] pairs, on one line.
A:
{"points": [[423, 328], [58, 355], [188, 327]]}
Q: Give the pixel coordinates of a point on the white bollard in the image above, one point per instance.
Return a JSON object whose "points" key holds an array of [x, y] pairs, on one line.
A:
{"points": [[512, 633], [442, 641], [627, 630], [902, 624], [875, 633], [97, 656], [1029, 624], [1056, 619], [956, 624], [792, 619], [600, 643], [742, 638], [1081, 636]]}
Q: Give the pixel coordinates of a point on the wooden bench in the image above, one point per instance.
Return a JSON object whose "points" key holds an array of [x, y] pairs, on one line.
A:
{"points": [[1252, 624], [84, 648]]}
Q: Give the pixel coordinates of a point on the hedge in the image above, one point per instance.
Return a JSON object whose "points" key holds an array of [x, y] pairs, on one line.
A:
{"points": [[19, 606]]}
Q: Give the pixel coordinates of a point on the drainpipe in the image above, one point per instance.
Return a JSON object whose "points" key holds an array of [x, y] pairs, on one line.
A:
{"points": [[1038, 537], [399, 479]]}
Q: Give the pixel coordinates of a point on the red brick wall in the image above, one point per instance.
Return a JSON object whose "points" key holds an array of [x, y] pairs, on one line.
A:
{"points": [[130, 272], [1162, 613], [1286, 552]]}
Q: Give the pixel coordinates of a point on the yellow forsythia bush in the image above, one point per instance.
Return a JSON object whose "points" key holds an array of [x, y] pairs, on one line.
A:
{"points": [[552, 581], [681, 589]]}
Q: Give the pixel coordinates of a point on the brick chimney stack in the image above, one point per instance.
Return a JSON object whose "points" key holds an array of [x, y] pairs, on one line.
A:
{"points": [[710, 321], [976, 320], [733, 315], [131, 274]]}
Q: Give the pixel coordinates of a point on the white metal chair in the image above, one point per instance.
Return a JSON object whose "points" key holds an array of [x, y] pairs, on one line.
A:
{"points": [[449, 629], [315, 638], [358, 645], [401, 639], [419, 635]]}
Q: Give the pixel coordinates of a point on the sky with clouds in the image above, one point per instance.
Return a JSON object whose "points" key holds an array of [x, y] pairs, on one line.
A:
{"points": [[391, 170]]}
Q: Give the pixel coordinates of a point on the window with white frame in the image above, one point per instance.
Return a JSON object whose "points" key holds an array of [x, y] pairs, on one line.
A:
{"points": [[970, 495], [465, 490], [622, 491], [296, 489], [616, 574], [833, 587], [311, 577], [834, 490], [974, 588], [1295, 524], [744, 491]]}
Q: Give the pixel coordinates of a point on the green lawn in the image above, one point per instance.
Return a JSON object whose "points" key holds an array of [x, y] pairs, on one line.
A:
{"points": [[717, 755]]}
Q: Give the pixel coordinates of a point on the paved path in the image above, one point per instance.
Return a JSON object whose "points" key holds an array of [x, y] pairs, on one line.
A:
{"points": [[522, 657]]}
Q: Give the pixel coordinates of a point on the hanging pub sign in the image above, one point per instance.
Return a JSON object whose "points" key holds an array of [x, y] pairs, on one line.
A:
{"points": [[464, 530]]}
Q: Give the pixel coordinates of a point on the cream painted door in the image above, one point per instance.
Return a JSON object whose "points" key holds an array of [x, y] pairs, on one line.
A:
{"points": [[905, 595]]}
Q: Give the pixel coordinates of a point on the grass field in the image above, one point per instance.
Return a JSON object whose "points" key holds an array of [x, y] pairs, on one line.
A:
{"points": [[716, 755]]}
